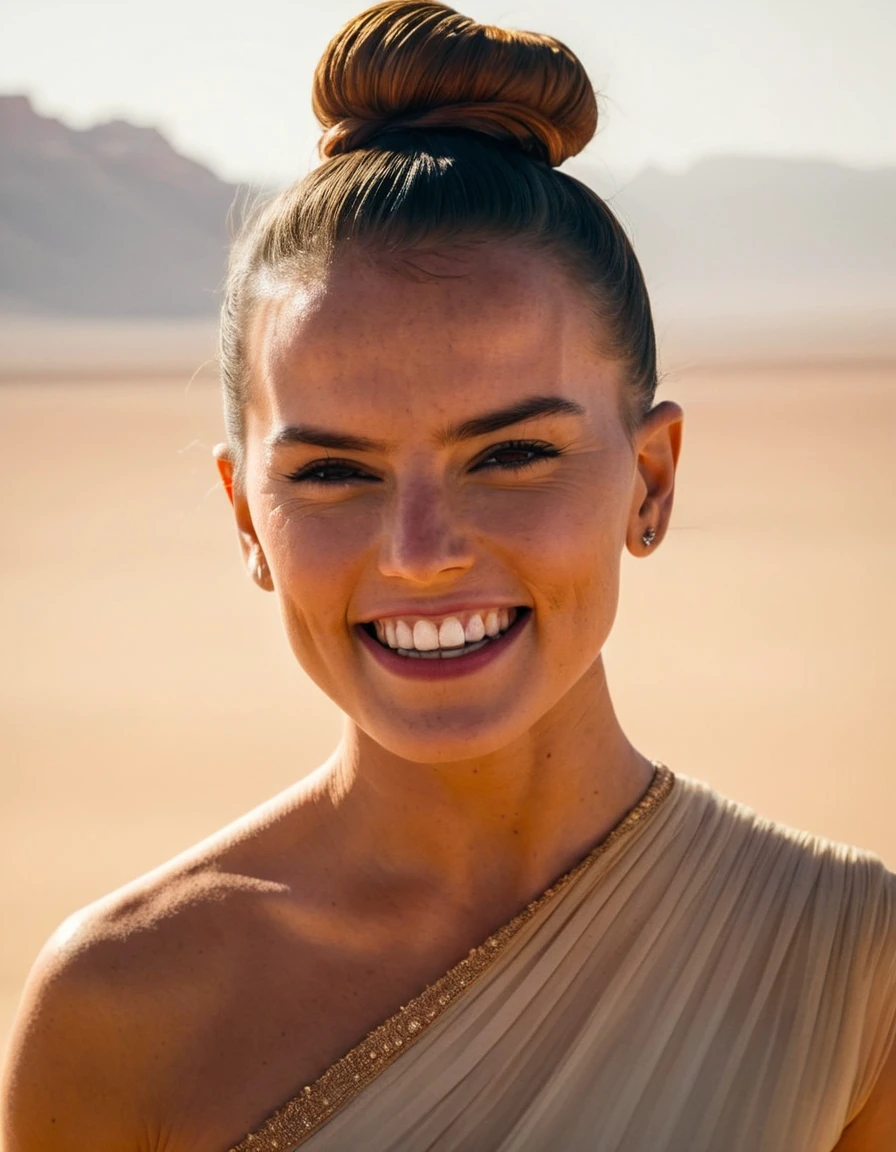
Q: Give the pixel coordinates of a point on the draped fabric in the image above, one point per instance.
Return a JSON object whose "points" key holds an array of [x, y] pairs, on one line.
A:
{"points": [[712, 981]]}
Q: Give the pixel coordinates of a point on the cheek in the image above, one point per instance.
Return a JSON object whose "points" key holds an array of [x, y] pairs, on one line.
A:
{"points": [[567, 540], [316, 556], [310, 545], [565, 534]]}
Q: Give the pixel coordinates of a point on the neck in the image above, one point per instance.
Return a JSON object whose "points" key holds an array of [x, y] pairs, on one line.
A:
{"points": [[497, 829]]}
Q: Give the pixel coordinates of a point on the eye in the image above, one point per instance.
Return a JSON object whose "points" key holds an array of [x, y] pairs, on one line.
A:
{"points": [[332, 472], [514, 455]]}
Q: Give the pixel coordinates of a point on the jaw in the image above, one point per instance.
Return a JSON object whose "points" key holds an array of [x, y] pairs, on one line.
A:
{"points": [[514, 705], [488, 733]]}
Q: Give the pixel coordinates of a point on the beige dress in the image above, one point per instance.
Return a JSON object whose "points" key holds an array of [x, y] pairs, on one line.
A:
{"points": [[705, 980]]}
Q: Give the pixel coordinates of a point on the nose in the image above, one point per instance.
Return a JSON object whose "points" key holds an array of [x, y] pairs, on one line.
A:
{"points": [[422, 537]]}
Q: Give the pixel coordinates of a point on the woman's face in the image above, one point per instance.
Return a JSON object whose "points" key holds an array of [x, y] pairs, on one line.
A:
{"points": [[440, 482]]}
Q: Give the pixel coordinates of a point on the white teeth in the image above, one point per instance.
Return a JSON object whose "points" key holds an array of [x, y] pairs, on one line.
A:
{"points": [[426, 636], [450, 637], [451, 633], [475, 629]]}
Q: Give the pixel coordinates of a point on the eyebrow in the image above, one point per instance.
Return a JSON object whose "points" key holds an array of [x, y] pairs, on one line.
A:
{"points": [[321, 438], [513, 414], [494, 421]]}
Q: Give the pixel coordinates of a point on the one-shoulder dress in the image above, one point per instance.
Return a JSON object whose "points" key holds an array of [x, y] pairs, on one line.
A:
{"points": [[705, 979]]}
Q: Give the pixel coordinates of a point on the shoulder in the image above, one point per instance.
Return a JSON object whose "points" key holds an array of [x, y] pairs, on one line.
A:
{"points": [[745, 831], [835, 906], [120, 997], [831, 903]]}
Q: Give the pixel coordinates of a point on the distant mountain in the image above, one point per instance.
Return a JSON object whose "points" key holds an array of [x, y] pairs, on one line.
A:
{"points": [[112, 222], [109, 221], [760, 236]]}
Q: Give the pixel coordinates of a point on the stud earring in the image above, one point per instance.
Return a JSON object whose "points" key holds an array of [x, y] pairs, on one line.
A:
{"points": [[649, 536]]}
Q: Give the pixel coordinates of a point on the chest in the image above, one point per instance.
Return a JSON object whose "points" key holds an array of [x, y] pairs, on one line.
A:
{"points": [[279, 1021]]}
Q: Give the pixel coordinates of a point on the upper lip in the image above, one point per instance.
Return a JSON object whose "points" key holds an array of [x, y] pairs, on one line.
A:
{"points": [[428, 610]]}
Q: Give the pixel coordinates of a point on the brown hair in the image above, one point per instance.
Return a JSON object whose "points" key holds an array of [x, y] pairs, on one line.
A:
{"points": [[438, 130]]}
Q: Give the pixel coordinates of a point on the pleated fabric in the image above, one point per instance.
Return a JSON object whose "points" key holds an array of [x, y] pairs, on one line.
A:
{"points": [[715, 982]]}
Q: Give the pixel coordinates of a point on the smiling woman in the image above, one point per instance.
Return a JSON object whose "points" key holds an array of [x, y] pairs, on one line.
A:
{"points": [[488, 921]]}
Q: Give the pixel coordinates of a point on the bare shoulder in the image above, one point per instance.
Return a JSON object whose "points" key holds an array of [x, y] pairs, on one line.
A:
{"points": [[131, 1003]]}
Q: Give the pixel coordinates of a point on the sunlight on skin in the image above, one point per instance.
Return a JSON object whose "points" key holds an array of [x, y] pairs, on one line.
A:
{"points": [[422, 524]]}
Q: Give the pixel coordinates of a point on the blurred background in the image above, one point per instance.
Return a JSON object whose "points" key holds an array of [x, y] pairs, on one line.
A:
{"points": [[147, 696]]}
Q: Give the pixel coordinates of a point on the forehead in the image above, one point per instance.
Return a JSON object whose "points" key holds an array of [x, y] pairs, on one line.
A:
{"points": [[432, 335]]}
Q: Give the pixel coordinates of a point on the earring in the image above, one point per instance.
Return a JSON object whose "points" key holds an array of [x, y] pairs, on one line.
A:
{"points": [[649, 536]]}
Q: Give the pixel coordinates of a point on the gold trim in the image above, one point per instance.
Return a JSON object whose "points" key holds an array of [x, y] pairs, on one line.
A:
{"points": [[306, 1112]]}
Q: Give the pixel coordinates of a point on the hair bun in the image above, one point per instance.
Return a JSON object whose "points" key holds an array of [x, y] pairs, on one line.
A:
{"points": [[418, 64]]}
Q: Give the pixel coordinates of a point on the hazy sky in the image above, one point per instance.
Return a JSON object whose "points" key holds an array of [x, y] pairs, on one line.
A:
{"points": [[679, 79]]}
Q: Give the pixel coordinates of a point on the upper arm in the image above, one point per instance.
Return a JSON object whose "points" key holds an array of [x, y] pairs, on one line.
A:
{"points": [[874, 1129], [68, 1081]]}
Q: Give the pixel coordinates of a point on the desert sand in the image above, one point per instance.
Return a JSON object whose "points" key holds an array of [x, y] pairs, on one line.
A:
{"points": [[148, 696]]}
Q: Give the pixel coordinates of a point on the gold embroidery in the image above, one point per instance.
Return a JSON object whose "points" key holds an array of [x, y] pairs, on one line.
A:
{"points": [[300, 1117]]}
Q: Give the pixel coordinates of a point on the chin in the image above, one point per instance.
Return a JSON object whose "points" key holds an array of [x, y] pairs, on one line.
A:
{"points": [[441, 739]]}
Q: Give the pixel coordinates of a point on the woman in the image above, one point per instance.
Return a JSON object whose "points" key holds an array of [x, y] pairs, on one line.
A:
{"points": [[488, 921]]}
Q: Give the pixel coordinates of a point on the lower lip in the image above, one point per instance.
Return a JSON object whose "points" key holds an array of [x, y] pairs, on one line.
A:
{"points": [[417, 668]]}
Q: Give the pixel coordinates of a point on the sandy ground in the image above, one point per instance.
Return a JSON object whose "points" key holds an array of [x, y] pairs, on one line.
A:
{"points": [[148, 696]]}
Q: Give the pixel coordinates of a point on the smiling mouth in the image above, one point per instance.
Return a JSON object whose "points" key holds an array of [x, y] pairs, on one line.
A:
{"points": [[447, 639]]}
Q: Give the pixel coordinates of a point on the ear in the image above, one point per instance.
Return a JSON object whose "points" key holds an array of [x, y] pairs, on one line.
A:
{"points": [[657, 443], [253, 555]]}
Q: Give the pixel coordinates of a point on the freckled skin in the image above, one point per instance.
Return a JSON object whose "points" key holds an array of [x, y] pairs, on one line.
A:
{"points": [[398, 358], [191, 1003], [478, 791]]}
